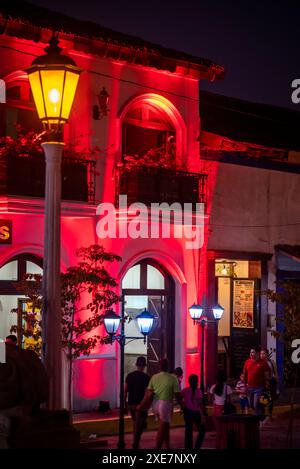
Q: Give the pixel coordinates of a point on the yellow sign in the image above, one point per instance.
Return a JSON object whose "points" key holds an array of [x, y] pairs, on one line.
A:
{"points": [[5, 231], [243, 303]]}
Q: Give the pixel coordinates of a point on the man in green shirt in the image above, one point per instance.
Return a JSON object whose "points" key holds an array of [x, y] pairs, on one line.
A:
{"points": [[163, 386]]}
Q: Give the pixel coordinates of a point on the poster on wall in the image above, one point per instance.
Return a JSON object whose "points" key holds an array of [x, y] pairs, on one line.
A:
{"points": [[243, 303]]}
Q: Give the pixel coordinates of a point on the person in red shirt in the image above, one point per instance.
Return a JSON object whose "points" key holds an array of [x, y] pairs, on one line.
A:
{"points": [[257, 374]]}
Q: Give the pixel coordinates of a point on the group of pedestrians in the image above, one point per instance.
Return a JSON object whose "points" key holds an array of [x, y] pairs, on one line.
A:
{"points": [[260, 382], [163, 390]]}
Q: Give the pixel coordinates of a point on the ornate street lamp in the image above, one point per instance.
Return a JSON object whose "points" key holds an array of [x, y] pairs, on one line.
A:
{"points": [[111, 323], [197, 313], [53, 79], [101, 110]]}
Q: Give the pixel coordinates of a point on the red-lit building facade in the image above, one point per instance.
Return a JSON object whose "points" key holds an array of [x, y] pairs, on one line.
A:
{"points": [[154, 103], [154, 107]]}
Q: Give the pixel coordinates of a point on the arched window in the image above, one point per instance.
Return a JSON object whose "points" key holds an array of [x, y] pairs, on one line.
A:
{"points": [[147, 285], [11, 298], [18, 113], [148, 133]]}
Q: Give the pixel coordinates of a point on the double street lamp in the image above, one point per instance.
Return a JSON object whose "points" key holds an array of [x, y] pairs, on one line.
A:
{"points": [[53, 80], [112, 322], [197, 313]]}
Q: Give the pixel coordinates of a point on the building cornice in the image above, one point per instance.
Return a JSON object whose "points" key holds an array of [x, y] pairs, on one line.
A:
{"points": [[95, 40], [36, 206]]}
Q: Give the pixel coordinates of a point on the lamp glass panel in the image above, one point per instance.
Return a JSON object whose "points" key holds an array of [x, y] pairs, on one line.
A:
{"points": [[145, 325], [218, 312], [69, 93], [195, 311], [36, 88], [52, 82], [111, 325]]}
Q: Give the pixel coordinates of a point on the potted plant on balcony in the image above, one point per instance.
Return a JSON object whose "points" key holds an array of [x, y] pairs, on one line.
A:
{"points": [[159, 157]]}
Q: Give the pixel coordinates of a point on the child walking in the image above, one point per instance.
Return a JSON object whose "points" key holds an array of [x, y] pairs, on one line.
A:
{"points": [[192, 409], [241, 388]]}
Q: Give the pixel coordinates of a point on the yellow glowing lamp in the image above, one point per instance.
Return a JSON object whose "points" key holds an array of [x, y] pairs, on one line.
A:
{"points": [[53, 80]]}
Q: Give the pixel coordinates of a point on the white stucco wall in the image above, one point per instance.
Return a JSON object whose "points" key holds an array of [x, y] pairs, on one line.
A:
{"points": [[254, 209]]}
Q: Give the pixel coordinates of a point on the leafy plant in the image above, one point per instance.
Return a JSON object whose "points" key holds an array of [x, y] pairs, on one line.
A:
{"points": [[28, 144], [160, 157]]}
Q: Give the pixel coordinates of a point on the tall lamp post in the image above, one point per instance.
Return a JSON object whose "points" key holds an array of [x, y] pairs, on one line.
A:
{"points": [[111, 323], [197, 313], [53, 80]]}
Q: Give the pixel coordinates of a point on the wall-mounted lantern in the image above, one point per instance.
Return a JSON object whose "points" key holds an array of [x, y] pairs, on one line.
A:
{"points": [[100, 110]]}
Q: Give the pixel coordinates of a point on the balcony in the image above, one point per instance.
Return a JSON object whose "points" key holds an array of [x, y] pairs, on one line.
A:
{"points": [[147, 185], [25, 176]]}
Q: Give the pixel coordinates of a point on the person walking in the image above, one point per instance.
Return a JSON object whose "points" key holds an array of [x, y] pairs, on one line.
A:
{"points": [[257, 374], [221, 393], [162, 387], [135, 386], [241, 388], [273, 381], [192, 408], [178, 372], [11, 339]]}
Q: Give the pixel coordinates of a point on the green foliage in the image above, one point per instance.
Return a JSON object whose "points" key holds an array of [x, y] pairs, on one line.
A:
{"points": [[88, 280], [31, 318], [288, 315], [24, 145], [28, 144]]}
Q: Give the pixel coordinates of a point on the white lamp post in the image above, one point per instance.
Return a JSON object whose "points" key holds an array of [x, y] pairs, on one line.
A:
{"points": [[53, 79], [197, 314]]}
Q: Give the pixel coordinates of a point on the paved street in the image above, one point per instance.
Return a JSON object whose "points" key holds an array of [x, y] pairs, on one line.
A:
{"points": [[273, 435]]}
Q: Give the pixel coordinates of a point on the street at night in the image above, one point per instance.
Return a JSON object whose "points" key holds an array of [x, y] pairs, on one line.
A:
{"points": [[150, 230]]}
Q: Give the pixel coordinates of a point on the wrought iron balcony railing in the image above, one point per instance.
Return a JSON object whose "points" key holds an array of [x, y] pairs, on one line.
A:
{"points": [[25, 176], [149, 184]]}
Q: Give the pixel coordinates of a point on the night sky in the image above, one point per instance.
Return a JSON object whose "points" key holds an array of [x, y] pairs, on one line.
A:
{"points": [[257, 41]]}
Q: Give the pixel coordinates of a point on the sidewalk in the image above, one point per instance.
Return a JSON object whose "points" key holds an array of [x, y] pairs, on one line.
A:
{"points": [[94, 427]]}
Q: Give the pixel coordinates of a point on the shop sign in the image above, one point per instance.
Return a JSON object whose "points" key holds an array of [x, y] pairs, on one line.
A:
{"points": [[5, 231]]}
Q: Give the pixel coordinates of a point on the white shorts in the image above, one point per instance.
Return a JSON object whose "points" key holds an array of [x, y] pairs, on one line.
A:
{"points": [[163, 410]]}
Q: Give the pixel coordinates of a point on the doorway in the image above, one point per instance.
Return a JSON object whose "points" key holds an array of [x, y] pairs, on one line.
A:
{"points": [[238, 285], [148, 285]]}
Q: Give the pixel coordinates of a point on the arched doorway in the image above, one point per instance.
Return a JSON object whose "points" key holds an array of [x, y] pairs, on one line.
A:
{"points": [[148, 285], [11, 298]]}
